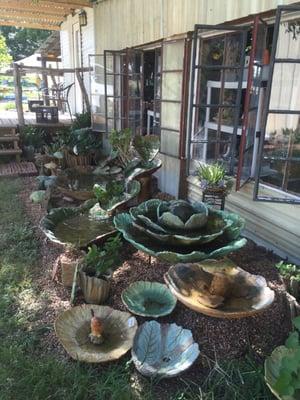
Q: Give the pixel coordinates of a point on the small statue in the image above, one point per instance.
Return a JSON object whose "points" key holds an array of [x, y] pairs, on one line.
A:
{"points": [[96, 329]]}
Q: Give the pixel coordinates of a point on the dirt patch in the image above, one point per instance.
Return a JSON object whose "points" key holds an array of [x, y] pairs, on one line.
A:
{"points": [[217, 338]]}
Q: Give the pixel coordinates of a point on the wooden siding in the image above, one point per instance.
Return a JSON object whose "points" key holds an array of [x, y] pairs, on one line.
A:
{"points": [[67, 49], [126, 23], [274, 225]]}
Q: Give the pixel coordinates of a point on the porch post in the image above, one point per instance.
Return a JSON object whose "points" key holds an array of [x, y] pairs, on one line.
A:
{"points": [[18, 94], [83, 89]]}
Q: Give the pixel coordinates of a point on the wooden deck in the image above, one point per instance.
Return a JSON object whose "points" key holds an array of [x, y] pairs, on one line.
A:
{"points": [[275, 226], [9, 119]]}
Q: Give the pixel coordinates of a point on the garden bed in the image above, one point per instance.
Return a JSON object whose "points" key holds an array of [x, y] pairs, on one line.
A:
{"points": [[216, 337]]}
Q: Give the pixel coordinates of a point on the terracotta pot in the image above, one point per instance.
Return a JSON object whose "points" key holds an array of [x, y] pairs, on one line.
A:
{"points": [[95, 290]]}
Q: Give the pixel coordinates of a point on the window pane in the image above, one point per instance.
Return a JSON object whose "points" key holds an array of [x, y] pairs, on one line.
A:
{"points": [[282, 138], [282, 175], [134, 62], [169, 142], [215, 148], [216, 87], [172, 86], [173, 53], [134, 86], [170, 115], [222, 50], [288, 45], [285, 93]]}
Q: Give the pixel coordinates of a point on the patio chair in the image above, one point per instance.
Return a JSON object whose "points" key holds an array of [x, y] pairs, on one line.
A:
{"points": [[59, 96]]}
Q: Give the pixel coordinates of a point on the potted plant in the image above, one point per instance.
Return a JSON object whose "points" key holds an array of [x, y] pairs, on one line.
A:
{"points": [[213, 178], [97, 268], [215, 184], [290, 274]]}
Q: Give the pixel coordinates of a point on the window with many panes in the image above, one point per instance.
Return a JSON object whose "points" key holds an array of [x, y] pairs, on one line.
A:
{"points": [[244, 110]]}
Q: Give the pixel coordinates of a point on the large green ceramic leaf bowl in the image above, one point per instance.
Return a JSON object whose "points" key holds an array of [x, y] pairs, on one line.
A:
{"points": [[73, 225], [149, 299], [273, 365], [215, 226], [163, 350], [175, 254]]}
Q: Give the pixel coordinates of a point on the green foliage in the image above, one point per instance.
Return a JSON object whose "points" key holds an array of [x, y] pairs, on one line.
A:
{"points": [[288, 270], [82, 120], [83, 141], [144, 146], [33, 136], [121, 143], [288, 379], [112, 192], [23, 42], [5, 57], [291, 275], [98, 261], [214, 176], [100, 193]]}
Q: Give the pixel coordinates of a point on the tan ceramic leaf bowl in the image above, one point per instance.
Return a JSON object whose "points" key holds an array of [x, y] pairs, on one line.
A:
{"points": [[219, 288], [73, 328]]}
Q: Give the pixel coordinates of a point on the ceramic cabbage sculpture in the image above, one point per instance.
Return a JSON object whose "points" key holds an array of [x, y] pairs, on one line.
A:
{"points": [[177, 231]]}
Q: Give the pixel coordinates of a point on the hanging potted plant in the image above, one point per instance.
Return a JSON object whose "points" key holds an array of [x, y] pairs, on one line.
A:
{"points": [[97, 269]]}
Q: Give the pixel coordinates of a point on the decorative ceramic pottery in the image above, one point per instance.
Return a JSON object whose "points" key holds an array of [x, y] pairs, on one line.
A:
{"points": [[73, 328], [149, 299], [95, 290], [176, 231], [219, 289], [163, 350], [272, 370], [73, 225], [99, 213]]}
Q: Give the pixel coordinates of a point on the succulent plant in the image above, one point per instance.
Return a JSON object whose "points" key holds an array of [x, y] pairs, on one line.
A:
{"points": [[177, 231]]}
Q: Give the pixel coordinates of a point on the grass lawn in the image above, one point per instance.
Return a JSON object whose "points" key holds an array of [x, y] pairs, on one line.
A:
{"points": [[28, 372]]}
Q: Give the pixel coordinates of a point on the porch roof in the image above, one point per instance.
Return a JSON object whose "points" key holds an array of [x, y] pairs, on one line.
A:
{"points": [[38, 14]]}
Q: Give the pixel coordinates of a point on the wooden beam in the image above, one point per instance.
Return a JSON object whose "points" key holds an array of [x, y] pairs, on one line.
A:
{"points": [[18, 95], [62, 4], [49, 58], [31, 17], [34, 9], [33, 25], [72, 3], [30, 5], [83, 89], [54, 71]]}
